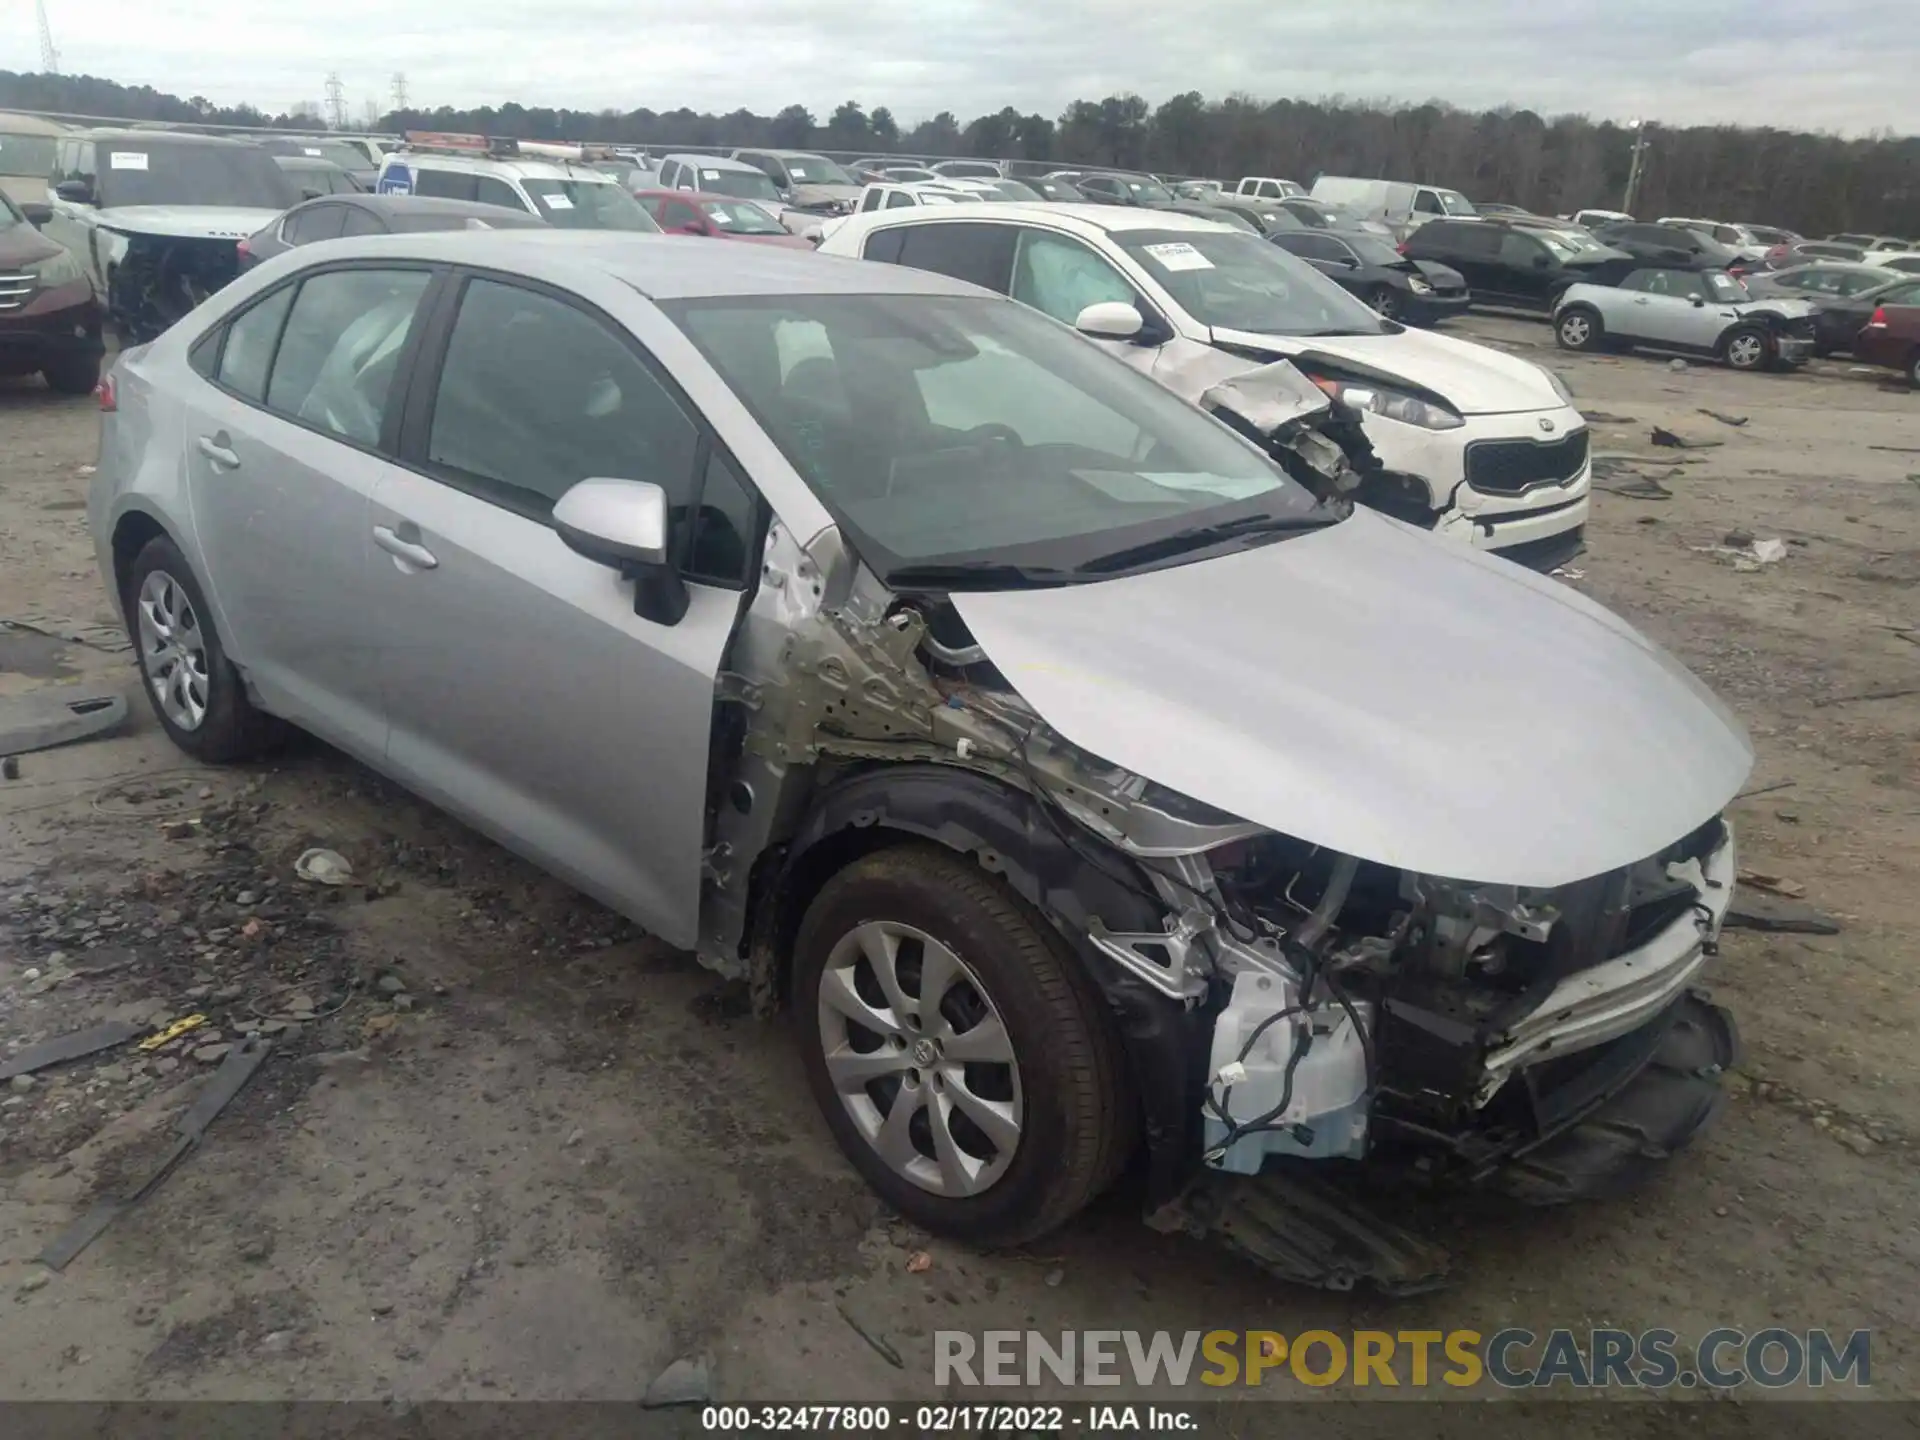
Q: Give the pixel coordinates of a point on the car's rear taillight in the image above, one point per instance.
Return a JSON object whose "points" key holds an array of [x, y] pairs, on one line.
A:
{"points": [[244, 251], [1401, 247], [1879, 320], [104, 390]]}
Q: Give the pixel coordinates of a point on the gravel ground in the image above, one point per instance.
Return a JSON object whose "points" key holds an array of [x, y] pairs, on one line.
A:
{"points": [[508, 1147]]}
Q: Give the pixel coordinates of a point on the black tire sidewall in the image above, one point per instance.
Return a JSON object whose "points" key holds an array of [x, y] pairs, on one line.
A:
{"points": [[231, 728], [910, 885], [64, 376]]}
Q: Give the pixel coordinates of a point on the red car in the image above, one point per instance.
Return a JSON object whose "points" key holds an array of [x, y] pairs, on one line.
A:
{"points": [[1892, 338], [49, 319], [724, 217]]}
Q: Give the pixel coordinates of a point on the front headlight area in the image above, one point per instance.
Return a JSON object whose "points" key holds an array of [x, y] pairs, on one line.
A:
{"points": [[1375, 399]]}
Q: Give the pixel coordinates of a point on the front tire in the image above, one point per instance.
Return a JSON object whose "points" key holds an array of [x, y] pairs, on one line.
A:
{"points": [[1913, 369], [1385, 302], [1747, 348], [72, 375], [963, 1063], [196, 694], [1579, 329]]}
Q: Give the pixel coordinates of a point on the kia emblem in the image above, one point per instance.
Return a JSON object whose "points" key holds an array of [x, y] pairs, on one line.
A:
{"points": [[1546, 424]]}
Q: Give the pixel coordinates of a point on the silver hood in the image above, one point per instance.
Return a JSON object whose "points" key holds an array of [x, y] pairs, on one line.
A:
{"points": [[1372, 689]]}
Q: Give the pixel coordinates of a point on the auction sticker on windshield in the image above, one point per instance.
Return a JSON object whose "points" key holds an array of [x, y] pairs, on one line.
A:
{"points": [[127, 160], [709, 174], [1178, 255], [557, 202]]}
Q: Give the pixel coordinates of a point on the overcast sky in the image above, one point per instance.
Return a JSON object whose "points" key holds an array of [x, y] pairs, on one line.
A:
{"points": [[1843, 65]]}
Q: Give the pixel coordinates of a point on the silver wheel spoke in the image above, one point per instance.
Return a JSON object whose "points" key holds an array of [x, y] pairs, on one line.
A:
{"points": [[939, 968], [882, 949], [837, 994], [986, 1041], [853, 1070], [895, 1142], [958, 1170], [994, 1117]]}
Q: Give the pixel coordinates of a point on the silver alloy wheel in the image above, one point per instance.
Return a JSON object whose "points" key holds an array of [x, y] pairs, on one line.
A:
{"points": [[1746, 351], [173, 651], [920, 1058], [1576, 330]]}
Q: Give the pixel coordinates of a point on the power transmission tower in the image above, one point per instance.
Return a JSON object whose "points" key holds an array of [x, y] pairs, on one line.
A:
{"points": [[399, 90], [49, 57], [1640, 128], [336, 101]]}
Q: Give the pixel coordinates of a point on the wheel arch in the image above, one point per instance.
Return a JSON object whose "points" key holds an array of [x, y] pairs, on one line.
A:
{"points": [[132, 532], [1001, 829]]}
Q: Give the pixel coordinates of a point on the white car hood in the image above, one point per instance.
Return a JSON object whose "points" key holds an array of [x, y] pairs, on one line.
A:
{"points": [[188, 222], [1474, 379], [1383, 693]]}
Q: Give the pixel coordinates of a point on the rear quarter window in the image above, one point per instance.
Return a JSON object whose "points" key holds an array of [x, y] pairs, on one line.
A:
{"points": [[885, 245]]}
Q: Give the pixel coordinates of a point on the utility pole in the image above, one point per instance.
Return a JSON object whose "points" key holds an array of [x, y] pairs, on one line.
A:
{"points": [[399, 91], [336, 101], [1639, 160], [49, 57]]}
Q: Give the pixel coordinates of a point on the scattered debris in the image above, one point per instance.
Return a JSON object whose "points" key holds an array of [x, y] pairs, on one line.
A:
{"points": [[10, 767], [1746, 558], [67, 1047], [36, 1281], [390, 985], [1734, 420], [574, 1137], [1667, 440], [1756, 910], [1738, 539], [1601, 417], [237, 1068], [1643, 487], [1677, 365], [324, 867], [40, 719], [1898, 449], [687, 1381], [1569, 572], [1778, 884], [881, 1348], [1899, 694], [1777, 785], [110, 638], [919, 1263], [173, 1031], [1056, 1278], [212, 1054]]}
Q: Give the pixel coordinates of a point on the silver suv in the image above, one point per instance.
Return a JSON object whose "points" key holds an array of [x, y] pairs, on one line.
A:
{"points": [[1091, 791]]}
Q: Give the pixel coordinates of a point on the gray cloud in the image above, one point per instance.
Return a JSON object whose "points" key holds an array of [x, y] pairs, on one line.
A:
{"points": [[1841, 65]]}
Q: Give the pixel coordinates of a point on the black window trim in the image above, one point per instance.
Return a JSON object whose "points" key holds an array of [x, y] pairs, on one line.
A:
{"points": [[386, 447], [415, 422]]}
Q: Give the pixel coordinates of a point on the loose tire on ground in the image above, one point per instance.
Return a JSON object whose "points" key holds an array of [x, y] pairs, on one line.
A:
{"points": [[1075, 1114], [204, 707]]}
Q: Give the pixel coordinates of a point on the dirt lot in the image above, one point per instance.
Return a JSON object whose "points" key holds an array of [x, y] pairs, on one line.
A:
{"points": [[521, 1151]]}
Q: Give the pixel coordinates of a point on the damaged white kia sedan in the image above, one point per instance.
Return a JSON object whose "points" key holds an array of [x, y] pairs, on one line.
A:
{"points": [[1098, 788]]}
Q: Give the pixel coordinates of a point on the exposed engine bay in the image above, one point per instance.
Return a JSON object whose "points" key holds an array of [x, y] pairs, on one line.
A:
{"points": [[1339, 1009], [161, 278]]}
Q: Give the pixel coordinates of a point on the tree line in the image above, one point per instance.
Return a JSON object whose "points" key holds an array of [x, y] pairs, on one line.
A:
{"points": [[1814, 183]]}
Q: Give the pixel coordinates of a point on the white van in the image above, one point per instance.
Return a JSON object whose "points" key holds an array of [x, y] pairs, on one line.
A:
{"points": [[560, 186], [1400, 205]]}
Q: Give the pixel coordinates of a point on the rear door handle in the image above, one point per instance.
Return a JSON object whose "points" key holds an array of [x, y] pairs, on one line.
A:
{"points": [[219, 449], [1641, 301], [411, 551]]}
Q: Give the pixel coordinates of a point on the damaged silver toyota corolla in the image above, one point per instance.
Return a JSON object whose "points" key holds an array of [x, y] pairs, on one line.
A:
{"points": [[1099, 790]]}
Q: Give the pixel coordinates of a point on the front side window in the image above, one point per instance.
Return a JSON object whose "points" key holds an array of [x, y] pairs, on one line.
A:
{"points": [[1240, 282], [1520, 250], [537, 395], [1453, 202], [977, 253], [488, 190], [899, 200], [251, 338], [1428, 203], [1722, 287], [1059, 276], [26, 155], [971, 435], [340, 351], [587, 205], [871, 200], [444, 184]]}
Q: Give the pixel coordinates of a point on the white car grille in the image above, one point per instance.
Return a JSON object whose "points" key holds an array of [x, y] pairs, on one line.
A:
{"points": [[15, 290]]}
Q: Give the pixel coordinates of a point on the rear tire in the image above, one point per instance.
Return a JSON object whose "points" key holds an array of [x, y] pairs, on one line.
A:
{"points": [[1057, 1118], [194, 690], [1747, 347], [1580, 329], [1913, 369], [73, 375]]}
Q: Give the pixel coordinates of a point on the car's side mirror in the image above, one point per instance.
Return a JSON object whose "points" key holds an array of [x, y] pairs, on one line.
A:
{"points": [[624, 524], [311, 193], [74, 192], [38, 212], [1699, 302], [1110, 320]]}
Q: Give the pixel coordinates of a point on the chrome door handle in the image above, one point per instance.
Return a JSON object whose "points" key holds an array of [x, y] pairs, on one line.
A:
{"points": [[219, 449], [411, 551], [1641, 301]]}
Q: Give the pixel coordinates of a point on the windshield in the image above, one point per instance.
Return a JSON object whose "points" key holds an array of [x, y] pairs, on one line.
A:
{"points": [[745, 184], [1456, 204], [1059, 190], [1014, 190], [347, 157], [1147, 190], [587, 205], [979, 441], [1372, 250], [814, 170], [318, 175], [909, 172], [741, 217], [1238, 282], [1723, 287], [26, 155], [141, 172]]}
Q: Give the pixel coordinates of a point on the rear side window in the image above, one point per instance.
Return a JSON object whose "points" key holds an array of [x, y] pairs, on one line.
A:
{"points": [[250, 342], [1518, 249], [885, 245], [1453, 238], [1311, 247], [361, 222], [978, 253], [341, 350], [315, 222], [445, 184]]}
